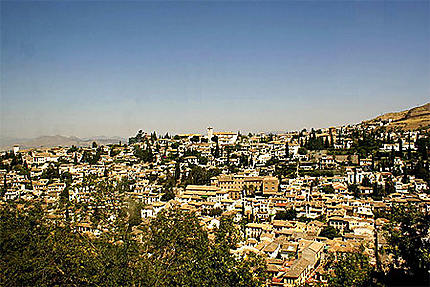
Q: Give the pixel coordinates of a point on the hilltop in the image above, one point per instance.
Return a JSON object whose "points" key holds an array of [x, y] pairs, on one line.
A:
{"points": [[412, 119]]}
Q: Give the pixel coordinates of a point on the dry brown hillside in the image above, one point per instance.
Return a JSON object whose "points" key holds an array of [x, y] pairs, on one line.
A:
{"points": [[415, 118]]}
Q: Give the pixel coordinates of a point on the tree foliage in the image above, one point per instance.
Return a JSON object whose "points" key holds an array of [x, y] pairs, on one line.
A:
{"points": [[287, 214], [200, 176], [407, 236], [351, 269], [175, 251], [330, 232], [144, 155]]}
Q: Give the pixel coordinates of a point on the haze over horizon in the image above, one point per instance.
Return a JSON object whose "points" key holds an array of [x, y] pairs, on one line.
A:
{"points": [[108, 68]]}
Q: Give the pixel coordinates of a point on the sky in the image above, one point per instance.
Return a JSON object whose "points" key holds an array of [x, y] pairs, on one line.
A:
{"points": [[111, 68]]}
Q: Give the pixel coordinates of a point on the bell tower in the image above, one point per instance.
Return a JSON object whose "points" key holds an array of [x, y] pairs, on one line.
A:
{"points": [[210, 134]]}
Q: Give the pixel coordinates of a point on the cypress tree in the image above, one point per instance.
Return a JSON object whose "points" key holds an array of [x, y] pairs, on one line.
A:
{"points": [[216, 150], [4, 189], [400, 148], [409, 146]]}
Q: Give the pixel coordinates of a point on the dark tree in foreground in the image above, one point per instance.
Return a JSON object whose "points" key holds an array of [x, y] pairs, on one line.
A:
{"points": [[182, 255], [350, 269], [175, 251], [35, 252], [407, 235]]}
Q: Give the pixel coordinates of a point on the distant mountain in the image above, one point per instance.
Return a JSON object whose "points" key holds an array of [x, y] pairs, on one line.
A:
{"points": [[53, 141], [412, 119]]}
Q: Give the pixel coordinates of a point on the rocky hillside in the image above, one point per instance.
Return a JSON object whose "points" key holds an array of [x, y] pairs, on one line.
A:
{"points": [[415, 118]]}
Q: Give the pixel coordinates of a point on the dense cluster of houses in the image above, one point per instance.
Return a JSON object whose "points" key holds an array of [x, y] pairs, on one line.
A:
{"points": [[255, 178]]}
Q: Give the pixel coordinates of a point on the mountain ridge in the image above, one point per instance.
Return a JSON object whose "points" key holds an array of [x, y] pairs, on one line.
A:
{"points": [[56, 140], [411, 119]]}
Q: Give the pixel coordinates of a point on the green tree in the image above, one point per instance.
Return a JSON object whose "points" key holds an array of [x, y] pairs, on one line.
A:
{"points": [[37, 254], [330, 232], [134, 216], [287, 150], [182, 255], [51, 172], [4, 187], [400, 143], [177, 171], [302, 151], [366, 182], [138, 138], [389, 186], [354, 190], [349, 269], [287, 214], [175, 251], [377, 191], [200, 176], [407, 237], [167, 195], [216, 154], [144, 155], [328, 189]]}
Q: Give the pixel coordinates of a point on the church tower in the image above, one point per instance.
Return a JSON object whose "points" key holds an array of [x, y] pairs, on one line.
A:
{"points": [[210, 134]]}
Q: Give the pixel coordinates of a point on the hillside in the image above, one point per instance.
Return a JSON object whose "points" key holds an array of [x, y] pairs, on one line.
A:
{"points": [[412, 119]]}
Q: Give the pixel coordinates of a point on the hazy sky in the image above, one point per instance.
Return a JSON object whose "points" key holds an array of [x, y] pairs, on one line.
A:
{"points": [[110, 68]]}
